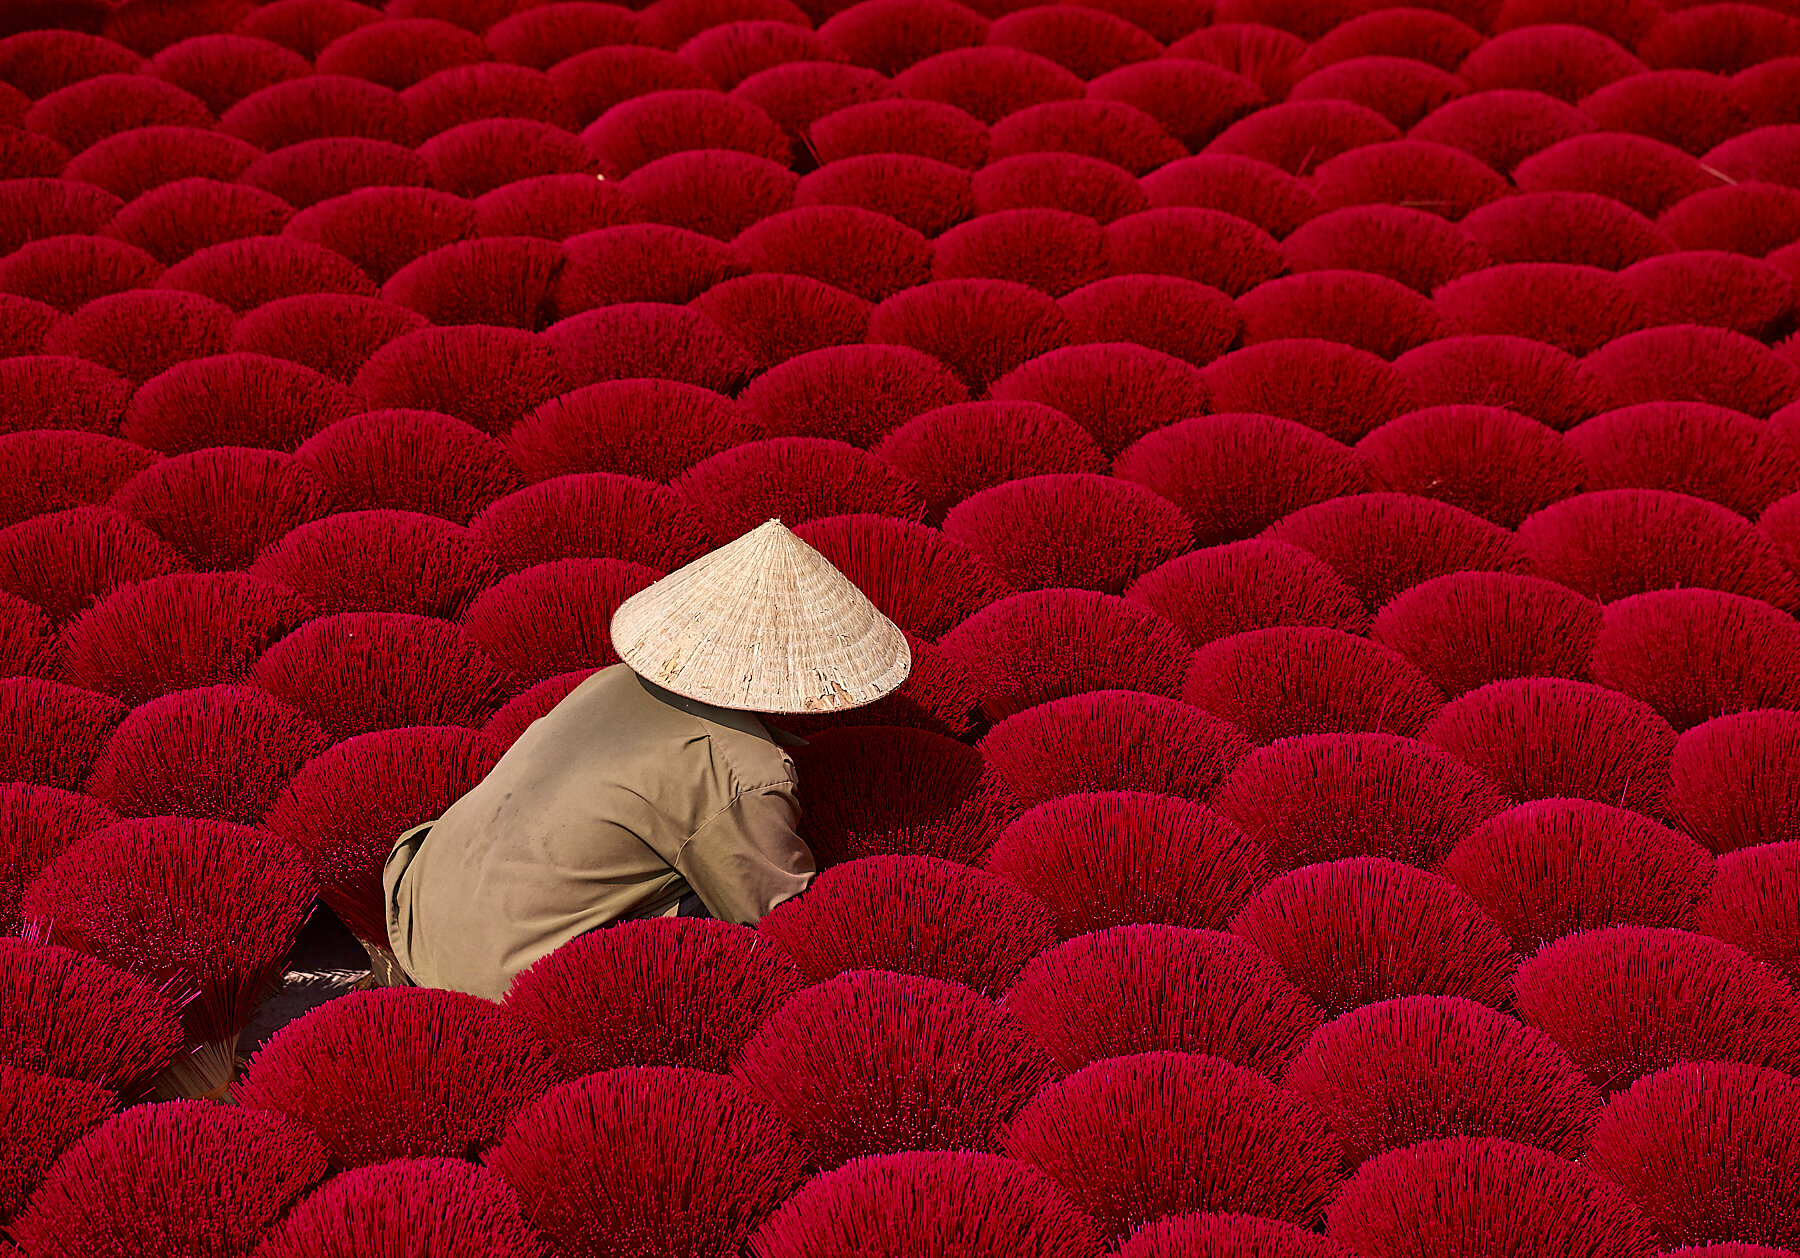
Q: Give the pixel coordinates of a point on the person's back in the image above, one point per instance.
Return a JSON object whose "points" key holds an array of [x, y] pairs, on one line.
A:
{"points": [[652, 788], [617, 804]]}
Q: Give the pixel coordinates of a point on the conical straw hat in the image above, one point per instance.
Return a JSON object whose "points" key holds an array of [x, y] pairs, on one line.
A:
{"points": [[763, 624]]}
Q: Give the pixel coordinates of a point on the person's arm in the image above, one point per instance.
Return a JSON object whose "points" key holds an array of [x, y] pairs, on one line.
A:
{"points": [[748, 858]]}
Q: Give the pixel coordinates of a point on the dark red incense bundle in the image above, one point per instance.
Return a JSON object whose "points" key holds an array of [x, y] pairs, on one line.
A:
{"points": [[407, 460], [1235, 474], [1150, 987], [412, 1073], [343, 811], [1466, 629], [1484, 1195], [1392, 1074], [893, 791], [1111, 740], [190, 1175], [927, 582], [204, 910], [851, 393], [222, 752], [873, 1062], [362, 671], [662, 992], [1328, 797], [1343, 933], [1547, 738], [1706, 1150], [1145, 1136], [955, 451], [1557, 866], [443, 1203], [1752, 905], [1119, 857], [72, 1017], [648, 1158], [1624, 1001], [912, 915], [1031, 648], [1293, 681]]}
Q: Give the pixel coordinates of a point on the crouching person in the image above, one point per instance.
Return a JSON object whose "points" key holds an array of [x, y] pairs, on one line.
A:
{"points": [[654, 789]]}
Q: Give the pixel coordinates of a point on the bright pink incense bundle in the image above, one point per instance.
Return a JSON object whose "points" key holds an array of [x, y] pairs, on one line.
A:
{"points": [[912, 915], [442, 1204], [143, 332], [1326, 797], [73, 1017], [1346, 933], [1154, 987], [1707, 1151], [1141, 1137], [398, 1072], [234, 400], [1730, 786], [1624, 1001], [40, 1116], [58, 730], [1418, 1068], [1117, 857], [1527, 376], [204, 910], [957, 1204], [874, 1062], [1480, 1195], [653, 1158], [661, 992]]}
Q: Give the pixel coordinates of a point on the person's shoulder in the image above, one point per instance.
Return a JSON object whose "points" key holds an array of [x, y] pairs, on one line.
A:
{"points": [[756, 761]]}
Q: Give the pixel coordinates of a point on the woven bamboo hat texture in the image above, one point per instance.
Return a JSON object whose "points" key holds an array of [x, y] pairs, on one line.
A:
{"points": [[762, 624]]}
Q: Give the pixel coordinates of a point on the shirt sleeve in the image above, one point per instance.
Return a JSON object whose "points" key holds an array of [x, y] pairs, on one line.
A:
{"points": [[748, 858]]}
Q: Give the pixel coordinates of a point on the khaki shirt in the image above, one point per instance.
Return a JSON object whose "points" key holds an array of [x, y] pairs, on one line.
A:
{"points": [[613, 805]]}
